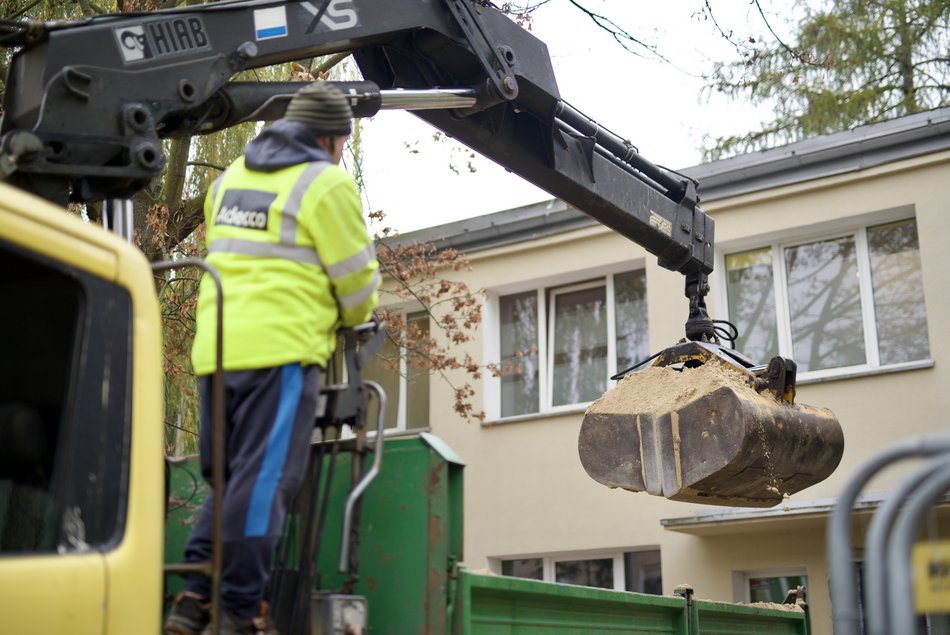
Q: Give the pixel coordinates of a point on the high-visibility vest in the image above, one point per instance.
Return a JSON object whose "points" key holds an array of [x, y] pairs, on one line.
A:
{"points": [[295, 263]]}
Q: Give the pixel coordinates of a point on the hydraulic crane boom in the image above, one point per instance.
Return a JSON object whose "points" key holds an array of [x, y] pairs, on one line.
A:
{"points": [[87, 103]]}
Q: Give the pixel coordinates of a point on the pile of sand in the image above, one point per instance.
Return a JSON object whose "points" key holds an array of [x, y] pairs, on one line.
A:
{"points": [[665, 389]]}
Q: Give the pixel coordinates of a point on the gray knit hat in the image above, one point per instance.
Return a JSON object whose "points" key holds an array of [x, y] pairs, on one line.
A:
{"points": [[322, 108]]}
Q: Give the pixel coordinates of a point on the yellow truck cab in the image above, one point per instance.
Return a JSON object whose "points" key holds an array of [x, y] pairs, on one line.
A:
{"points": [[81, 489]]}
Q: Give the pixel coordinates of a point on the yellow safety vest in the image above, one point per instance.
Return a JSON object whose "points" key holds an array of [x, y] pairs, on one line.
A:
{"points": [[295, 263]]}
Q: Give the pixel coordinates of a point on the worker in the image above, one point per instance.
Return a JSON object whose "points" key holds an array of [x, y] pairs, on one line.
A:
{"points": [[285, 233]]}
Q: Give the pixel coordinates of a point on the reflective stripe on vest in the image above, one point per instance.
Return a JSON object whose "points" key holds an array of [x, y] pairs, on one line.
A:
{"points": [[354, 263], [287, 248], [288, 225], [305, 255], [357, 298]]}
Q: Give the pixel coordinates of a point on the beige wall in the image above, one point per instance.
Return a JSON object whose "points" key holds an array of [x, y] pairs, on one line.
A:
{"points": [[874, 410], [526, 492]]}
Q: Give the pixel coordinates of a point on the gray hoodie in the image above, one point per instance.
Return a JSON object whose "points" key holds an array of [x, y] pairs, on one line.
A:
{"points": [[282, 144]]}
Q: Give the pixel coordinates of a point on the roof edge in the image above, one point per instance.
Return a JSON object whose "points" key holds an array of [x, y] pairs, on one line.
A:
{"points": [[859, 148], [852, 150]]}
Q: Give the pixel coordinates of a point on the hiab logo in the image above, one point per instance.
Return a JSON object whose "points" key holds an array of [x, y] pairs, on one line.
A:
{"points": [[160, 38], [133, 44]]}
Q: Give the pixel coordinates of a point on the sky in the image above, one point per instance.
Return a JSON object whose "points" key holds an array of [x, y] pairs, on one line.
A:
{"points": [[659, 106]]}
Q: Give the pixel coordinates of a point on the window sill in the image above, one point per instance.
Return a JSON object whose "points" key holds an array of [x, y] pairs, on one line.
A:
{"points": [[860, 371], [534, 416], [818, 378]]}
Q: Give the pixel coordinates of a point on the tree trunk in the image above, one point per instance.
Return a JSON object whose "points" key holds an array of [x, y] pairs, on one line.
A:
{"points": [[175, 173], [905, 59], [185, 220]]}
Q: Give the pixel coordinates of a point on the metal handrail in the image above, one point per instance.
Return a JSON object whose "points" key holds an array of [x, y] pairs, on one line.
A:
{"points": [[875, 548], [217, 441], [845, 614], [907, 527], [357, 492]]}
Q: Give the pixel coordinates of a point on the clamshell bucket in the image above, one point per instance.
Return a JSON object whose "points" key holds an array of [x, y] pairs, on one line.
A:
{"points": [[712, 433]]}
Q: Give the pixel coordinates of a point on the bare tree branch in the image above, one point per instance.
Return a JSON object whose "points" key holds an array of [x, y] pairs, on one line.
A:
{"points": [[798, 55], [24, 10], [206, 164], [88, 8], [726, 36], [619, 34], [330, 62]]}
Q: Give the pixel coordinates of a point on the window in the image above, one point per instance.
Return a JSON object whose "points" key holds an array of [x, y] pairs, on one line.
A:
{"points": [[405, 382], [637, 571], [530, 568], [598, 572], [774, 589], [641, 570], [559, 346], [768, 586], [849, 301], [64, 407]]}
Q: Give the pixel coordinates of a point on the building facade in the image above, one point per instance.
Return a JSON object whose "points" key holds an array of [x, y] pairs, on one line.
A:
{"points": [[829, 251]]}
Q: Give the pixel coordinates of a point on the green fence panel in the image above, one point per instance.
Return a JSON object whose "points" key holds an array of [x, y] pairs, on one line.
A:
{"points": [[513, 606], [723, 618]]}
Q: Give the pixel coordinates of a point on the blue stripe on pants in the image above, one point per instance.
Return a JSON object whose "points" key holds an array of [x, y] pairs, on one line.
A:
{"points": [[265, 487]]}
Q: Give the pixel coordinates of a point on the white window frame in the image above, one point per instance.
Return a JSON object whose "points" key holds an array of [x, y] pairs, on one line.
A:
{"points": [[854, 227], [549, 562], [543, 288], [403, 410], [547, 397]]}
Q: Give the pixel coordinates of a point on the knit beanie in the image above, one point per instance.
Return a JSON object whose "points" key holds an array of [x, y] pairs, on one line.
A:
{"points": [[322, 108]]}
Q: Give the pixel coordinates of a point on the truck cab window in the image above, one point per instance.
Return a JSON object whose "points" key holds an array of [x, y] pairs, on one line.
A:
{"points": [[63, 406]]}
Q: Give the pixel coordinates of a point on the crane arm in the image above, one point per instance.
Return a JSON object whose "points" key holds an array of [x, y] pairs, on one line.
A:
{"points": [[87, 103]]}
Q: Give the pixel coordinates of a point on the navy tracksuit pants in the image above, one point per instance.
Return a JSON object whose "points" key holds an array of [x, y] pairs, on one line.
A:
{"points": [[269, 416]]}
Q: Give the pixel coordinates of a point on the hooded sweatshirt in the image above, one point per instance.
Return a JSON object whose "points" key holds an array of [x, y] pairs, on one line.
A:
{"points": [[278, 308], [282, 144]]}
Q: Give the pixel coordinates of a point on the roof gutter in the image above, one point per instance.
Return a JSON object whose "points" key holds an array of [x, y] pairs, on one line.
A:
{"points": [[828, 155]]}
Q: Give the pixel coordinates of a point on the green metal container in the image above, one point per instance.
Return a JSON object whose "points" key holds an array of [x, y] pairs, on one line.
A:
{"points": [[411, 536], [410, 546], [509, 606], [723, 618], [410, 526]]}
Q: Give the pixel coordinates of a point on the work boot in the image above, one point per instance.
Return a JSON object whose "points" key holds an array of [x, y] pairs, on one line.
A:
{"points": [[232, 624], [190, 614]]}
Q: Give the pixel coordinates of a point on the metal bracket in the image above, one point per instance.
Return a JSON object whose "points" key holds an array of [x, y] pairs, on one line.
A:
{"points": [[780, 375], [699, 326], [343, 404], [494, 59]]}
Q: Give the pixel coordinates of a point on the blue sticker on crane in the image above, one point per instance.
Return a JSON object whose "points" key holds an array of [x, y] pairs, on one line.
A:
{"points": [[270, 23]]}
